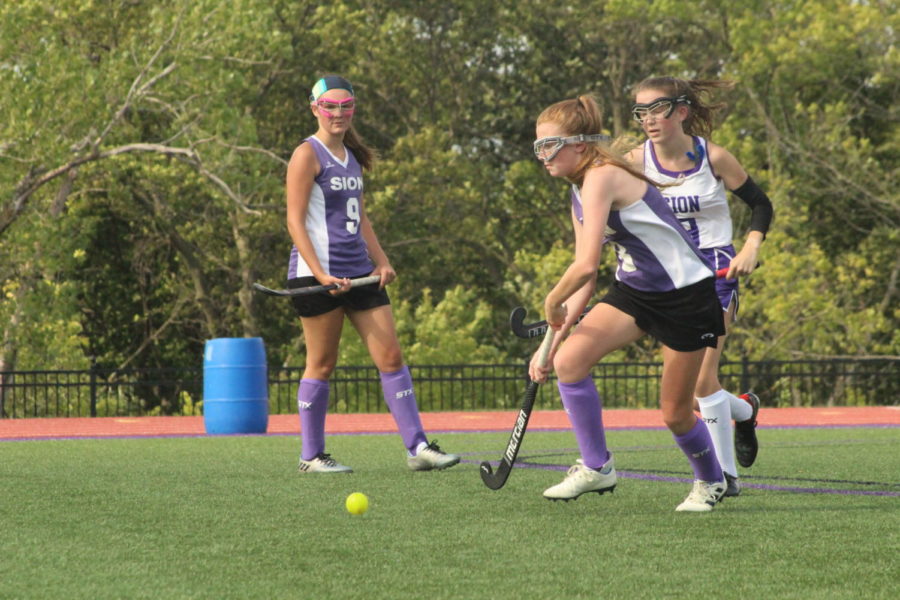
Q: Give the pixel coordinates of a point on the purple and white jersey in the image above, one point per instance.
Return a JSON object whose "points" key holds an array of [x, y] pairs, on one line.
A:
{"points": [[654, 252], [698, 197], [332, 218]]}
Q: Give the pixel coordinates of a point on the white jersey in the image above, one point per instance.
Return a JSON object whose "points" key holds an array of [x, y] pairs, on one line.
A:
{"points": [[698, 197], [654, 253]]}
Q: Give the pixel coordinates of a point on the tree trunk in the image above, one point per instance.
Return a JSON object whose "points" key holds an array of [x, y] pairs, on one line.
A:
{"points": [[248, 274]]}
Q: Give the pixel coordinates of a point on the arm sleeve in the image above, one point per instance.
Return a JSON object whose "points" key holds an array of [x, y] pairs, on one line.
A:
{"points": [[760, 206]]}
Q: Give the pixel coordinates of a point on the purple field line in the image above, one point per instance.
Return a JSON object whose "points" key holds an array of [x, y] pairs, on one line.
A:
{"points": [[757, 486], [843, 426], [663, 428]]}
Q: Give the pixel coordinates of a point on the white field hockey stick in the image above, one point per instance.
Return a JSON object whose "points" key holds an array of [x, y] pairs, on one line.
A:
{"points": [[496, 480], [315, 289]]}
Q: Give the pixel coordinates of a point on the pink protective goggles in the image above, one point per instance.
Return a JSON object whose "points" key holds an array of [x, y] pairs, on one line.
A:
{"points": [[329, 107]]}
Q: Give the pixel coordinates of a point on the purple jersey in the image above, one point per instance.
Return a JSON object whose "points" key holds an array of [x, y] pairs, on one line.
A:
{"points": [[727, 289], [332, 218], [653, 250]]}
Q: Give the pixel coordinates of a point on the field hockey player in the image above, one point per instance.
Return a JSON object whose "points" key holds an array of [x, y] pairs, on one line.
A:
{"points": [[677, 119], [664, 286], [333, 242]]}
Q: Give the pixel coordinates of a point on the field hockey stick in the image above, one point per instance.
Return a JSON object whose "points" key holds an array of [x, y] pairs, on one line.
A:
{"points": [[532, 330], [496, 480], [315, 289], [721, 273]]}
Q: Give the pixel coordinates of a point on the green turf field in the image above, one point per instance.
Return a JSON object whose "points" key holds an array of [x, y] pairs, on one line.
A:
{"points": [[229, 517]]}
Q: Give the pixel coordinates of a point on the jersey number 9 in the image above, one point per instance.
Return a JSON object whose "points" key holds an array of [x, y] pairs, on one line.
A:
{"points": [[353, 215]]}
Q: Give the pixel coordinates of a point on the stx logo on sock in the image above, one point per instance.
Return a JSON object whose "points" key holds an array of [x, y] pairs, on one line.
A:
{"points": [[701, 454], [710, 420], [303, 405], [403, 394]]}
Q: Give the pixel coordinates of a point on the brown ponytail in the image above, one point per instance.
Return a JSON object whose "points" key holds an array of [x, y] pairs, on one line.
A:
{"points": [[700, 119], [365, 156]]}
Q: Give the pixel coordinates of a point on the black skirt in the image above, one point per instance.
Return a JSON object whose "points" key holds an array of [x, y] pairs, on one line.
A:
{"points": [[359, 298], [685, 320]]}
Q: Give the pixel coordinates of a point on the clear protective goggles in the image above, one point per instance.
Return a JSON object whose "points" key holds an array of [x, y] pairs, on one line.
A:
{"points": [[547, 148], [329, 107], [659, 108]]}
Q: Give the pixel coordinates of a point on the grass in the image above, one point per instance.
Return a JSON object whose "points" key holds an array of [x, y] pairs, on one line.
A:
{"points": [[228, 517]]}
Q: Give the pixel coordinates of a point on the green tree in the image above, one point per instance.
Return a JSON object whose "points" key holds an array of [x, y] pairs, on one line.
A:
{"points": [[816, 119], [143, 153]]}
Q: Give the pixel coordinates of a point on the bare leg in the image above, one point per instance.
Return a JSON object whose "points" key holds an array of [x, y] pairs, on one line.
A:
{"points": [[708, 378], [377, 330], [604, 330], [676, 400], [680, 370], [323, 339]]}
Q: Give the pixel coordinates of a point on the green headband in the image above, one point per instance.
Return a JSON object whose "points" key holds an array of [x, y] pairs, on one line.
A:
{"points": [[329, 82]]}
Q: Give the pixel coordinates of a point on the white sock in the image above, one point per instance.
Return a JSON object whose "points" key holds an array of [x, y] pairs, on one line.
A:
{"points": [[716, 412], [419, 448], [740, 409]]}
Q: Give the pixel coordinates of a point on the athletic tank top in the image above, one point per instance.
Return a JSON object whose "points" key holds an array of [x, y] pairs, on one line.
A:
{"points": [[654, 252], [332, 219], [698, 199]]}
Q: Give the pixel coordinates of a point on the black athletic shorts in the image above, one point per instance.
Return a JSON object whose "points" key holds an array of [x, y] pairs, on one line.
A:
{"points": [[363, 297], [684, 320]]}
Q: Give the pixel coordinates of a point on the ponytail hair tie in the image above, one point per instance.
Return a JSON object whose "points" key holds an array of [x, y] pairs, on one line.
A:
{"points": [[698, 153]]}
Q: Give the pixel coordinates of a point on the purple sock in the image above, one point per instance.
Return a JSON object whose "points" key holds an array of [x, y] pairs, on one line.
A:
{"points": [[312, 404], [582, 404], [401, 400], [698, 447]]}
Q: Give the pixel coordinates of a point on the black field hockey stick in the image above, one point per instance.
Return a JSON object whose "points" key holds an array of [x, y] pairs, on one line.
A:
{"points": [[496, 480], [532, 330], [315, 289]]}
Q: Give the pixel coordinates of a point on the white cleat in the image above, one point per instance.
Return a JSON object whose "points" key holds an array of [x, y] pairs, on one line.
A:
{"points": [[322, 463], [430, 456], [703, 497], [581, 480]]}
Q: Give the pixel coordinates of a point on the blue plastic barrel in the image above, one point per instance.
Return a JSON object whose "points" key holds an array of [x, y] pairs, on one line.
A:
{"points": [[235, 386]]}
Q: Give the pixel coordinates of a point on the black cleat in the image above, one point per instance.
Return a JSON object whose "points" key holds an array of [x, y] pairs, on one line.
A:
{"points": [[733, 486], [746, 445]]}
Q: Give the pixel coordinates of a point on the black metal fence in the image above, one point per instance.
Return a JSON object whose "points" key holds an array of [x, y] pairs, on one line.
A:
{"points": [[179, 391]]}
